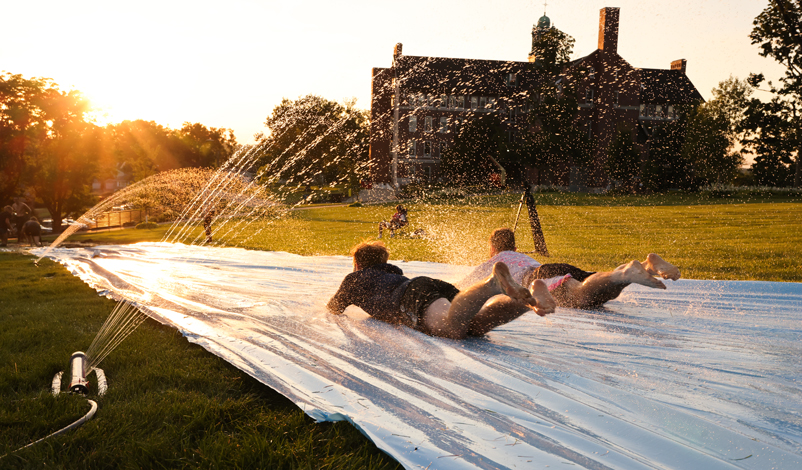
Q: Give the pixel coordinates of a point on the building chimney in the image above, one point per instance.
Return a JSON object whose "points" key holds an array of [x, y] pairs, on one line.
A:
{"points": [[608, 29], [397, 50], [679, 65]]}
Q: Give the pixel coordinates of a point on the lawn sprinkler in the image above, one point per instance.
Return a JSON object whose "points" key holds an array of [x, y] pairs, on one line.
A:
{"points": [[79, 384], [78, 381]]}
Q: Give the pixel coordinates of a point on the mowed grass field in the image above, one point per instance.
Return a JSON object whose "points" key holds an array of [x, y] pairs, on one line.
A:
{"points": [[736, 241], [171, 404]]}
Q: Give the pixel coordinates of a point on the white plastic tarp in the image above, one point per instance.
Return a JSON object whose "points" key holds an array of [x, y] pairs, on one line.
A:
{"points": [[705, 374]]}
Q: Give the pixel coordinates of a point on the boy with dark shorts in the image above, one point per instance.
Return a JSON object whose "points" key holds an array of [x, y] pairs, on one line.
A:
{"points": [[433, 306], [571, 286]]}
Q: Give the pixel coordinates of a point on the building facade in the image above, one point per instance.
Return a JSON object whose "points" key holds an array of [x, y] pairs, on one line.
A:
{"points": [[419, 103]]}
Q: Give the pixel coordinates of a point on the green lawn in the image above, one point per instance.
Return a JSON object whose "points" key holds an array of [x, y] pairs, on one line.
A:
{"points": [[173, 405], [170, 404], [735, 241]]}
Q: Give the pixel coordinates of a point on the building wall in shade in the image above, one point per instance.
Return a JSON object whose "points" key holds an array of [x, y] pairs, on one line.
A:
{"points": [[438, 93]]}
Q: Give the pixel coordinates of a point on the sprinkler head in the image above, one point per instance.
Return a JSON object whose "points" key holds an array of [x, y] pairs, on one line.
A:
{"points": [[78, 383]]}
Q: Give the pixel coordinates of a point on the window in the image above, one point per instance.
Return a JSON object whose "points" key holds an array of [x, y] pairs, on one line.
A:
{"points": [[474, 102], [511, 80], [443, 125], [413, 123], [413, 148], [443, 101], [452, 102], [427, 149], [588, 95], [491, 103], [483, 102], [461, 102], [591, 72], [671, 114], [617, 93], [428, 124]]}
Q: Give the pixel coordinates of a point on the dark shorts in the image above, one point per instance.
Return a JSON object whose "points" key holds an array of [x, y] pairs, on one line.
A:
{"points": [[420, 293], [548, 271]]}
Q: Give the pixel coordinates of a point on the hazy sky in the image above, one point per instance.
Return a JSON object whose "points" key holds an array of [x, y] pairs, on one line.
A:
{"points": [[227, 64]]}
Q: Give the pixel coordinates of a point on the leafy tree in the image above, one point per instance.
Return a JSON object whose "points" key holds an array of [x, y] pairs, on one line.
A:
{"points": [[707, 146], [778, 33], [22, 127], [198, 146], [730, 100], [771, 137], [313, 140], [556, 141], [666, 168], [623, 159], [470, 159], [552, 49]]}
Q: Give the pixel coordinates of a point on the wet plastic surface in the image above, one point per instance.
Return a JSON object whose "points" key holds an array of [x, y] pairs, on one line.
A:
{"points": [[705, 374]]}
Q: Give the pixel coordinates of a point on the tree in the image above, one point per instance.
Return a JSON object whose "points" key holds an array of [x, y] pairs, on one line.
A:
{"points": [[67, 154], [313, 140], [470, 160], [22, 127], [778, 32], [552, 49], [556, 141], [707, 144], [666, 168], [771, 137], [730, 100], [623, 159]]}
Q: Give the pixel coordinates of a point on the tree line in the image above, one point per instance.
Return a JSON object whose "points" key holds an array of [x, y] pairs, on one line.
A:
{"points": [[51, 152]]}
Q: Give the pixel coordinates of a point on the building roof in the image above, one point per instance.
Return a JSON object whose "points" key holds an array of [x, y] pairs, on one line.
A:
{"points": [[667, 86], [444, 75]]}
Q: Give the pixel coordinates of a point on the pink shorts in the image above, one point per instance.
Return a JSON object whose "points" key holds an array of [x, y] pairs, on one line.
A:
{"points": [[555, 282]]}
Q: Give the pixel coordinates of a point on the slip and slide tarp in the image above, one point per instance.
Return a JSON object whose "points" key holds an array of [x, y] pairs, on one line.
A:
{"points": [[705, 374]]}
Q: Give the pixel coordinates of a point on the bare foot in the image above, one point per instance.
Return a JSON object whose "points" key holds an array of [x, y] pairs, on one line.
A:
{"points": [[545, 302], [501, 273], [635, 273], [657, 266]]}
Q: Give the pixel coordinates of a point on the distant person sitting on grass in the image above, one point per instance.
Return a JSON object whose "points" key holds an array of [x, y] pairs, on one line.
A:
{"points": [[433, 306], [32, 230], [398, 221], [571, 286]]}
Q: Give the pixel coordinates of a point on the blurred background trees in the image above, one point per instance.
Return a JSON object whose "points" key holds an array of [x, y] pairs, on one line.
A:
{"points": [[315, 141]]}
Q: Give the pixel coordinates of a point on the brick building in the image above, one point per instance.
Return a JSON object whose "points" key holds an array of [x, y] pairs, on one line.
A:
{"points": [[418, 103]]}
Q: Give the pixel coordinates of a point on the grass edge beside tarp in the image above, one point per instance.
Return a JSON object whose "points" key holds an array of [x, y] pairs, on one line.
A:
{"points": [[170, 404]]}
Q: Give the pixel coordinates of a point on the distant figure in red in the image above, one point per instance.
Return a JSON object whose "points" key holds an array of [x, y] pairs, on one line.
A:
{"points": [[207, 225], [398, 221]]}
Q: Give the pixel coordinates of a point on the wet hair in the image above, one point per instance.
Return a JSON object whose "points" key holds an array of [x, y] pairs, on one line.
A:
{"points": [[502, 239], [367, 254], [33, 217], [400, 208], [7, 208]]}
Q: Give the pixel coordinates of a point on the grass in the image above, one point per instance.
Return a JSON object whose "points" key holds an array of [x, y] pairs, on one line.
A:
{"points": [[705, 237], [170, 404], [173, 405]]}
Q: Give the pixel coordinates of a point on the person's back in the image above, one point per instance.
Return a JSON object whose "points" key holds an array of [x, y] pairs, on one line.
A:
{"points": [[377, 290]]}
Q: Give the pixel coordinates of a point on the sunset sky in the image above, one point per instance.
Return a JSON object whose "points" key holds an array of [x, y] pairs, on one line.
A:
{"points": [[227, 64]]}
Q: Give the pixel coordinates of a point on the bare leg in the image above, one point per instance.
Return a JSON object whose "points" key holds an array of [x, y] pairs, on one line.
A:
{"points": [[455, 319], [503, 309], [601, 287]]}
